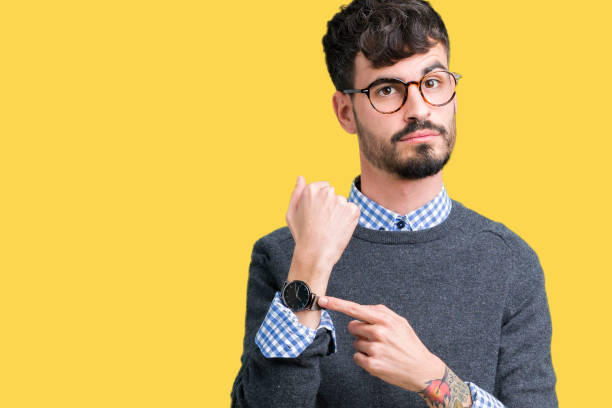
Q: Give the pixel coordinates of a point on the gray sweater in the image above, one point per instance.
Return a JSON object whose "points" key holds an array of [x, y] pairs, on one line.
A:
{"points": [[472, 290]]}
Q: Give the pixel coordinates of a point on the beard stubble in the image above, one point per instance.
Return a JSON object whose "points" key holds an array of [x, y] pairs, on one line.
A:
{"points": [[422, 163]]}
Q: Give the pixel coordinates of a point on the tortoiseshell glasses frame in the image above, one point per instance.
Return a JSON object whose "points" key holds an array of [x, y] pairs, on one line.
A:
{"points": [[419, 85]]}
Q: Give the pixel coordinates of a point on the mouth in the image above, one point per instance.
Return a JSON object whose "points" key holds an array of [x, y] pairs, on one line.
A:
{"points": [[420, 136]]}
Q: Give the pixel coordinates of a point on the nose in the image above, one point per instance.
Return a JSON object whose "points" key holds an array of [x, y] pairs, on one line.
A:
{"points": [[415, 107]]}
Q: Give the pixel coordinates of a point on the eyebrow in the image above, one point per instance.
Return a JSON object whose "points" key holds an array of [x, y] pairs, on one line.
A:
{"points": [[426, 70], [433, 66]]}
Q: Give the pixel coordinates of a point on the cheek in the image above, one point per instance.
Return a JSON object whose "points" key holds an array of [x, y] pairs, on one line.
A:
{"points": [[446, 117], [376, 123], [362, 110]]}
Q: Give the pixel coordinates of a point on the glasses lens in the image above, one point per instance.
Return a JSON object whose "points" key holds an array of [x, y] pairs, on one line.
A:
{"points": [[387, 96], [438, 87]]}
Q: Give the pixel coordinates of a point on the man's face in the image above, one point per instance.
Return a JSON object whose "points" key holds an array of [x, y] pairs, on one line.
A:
{"points": [[384, 139]]}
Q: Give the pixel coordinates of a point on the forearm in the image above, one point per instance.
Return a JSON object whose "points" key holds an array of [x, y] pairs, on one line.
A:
{"points": [[448, 392], [286, 360], [273, 381]]}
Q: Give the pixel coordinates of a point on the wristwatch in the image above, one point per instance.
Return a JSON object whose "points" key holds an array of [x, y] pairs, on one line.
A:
{"points": [[296, 295]]}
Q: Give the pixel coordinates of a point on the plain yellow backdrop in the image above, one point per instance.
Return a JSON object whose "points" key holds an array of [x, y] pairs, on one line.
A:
{"points": [[145, 146]]}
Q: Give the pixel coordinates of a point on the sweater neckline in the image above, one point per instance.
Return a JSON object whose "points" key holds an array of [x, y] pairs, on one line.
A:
{"points": [[406, 237]]}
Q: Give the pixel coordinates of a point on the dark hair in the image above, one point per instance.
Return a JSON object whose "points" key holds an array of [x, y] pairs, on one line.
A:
{"points": [[385, 31]]}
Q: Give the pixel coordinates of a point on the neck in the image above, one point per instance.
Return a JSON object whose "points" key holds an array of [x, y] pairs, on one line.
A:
{"points": [[398, 195]]}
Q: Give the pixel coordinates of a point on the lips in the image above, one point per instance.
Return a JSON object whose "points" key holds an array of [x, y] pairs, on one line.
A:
{"points": [[419, 134]]}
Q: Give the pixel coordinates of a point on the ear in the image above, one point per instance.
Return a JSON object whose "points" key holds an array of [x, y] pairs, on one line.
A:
{"points": [[343, 107]]}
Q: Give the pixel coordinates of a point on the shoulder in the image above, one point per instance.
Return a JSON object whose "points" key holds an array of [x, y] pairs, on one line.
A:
{"points": [[525, 276], [276, 237], [474, 223]]}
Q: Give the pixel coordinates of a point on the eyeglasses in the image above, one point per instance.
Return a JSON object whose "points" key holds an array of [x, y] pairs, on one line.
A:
{"points": [[388, 95]]}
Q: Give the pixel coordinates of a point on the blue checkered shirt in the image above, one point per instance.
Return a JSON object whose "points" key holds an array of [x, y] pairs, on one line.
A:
{"points": [[281, 335]]}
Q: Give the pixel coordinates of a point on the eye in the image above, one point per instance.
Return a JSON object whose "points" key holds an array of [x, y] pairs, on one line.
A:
{"points": [[386, 90], [431, 83]]}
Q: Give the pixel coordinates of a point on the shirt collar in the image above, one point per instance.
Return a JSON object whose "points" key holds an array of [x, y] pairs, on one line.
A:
{"points": [[375, 216]]}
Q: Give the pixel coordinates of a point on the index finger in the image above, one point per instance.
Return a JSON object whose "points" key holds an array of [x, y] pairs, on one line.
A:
{"points": [[362, 312]]}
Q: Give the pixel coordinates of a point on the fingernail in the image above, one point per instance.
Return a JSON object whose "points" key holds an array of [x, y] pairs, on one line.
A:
{"points": [[323, 301]]}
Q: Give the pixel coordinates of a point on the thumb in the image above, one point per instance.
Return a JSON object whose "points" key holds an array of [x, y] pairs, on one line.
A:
{"points": [[297, 193]]}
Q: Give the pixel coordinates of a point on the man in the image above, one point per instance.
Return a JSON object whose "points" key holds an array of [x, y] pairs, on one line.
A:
{"points": [[427, 303]]}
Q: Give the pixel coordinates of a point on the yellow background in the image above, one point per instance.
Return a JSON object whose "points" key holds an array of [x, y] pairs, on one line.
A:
{"points": [[145, 146]]}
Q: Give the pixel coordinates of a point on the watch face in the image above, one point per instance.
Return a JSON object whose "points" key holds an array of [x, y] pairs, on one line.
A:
{"points": [[296, 295]]}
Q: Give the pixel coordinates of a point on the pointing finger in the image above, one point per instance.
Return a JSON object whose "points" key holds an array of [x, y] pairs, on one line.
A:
{"points": [[362, 312]]}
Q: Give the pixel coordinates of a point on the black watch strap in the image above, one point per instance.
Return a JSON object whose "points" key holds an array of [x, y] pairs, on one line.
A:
{"points": [[314, 303]]}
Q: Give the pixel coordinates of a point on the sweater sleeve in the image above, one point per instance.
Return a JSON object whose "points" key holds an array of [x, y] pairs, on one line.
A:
{"points": [[274, 382], [525, 375]]}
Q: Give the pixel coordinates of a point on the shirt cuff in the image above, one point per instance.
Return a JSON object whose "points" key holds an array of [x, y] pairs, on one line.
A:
{"points": [[282, 335], [482, 399]]}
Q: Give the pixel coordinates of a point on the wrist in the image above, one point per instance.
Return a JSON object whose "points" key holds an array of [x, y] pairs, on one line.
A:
{"points": [[447, 390], [316, 276], [307, 264], [434, 369]]}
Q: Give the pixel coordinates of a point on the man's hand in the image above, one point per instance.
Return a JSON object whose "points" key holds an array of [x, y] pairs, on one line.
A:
{"points": [[388, 348], [322, 224]]}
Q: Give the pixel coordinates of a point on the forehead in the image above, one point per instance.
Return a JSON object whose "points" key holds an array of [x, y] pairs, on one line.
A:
{"points": [[407, 69]]}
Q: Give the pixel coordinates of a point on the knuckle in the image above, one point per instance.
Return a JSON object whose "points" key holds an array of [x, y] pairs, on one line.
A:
{"points": [[373, 349], [378, 333], [381, 309], [372, 365]]}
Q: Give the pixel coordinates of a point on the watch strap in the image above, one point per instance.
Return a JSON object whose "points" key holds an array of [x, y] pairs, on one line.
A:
{"points": [[314, 303]]}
